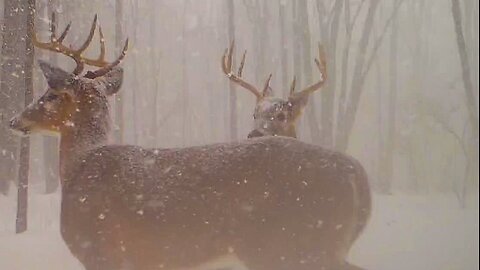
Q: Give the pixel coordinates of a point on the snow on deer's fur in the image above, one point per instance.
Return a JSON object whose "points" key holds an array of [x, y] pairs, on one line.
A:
{"points": [[269, 203]]}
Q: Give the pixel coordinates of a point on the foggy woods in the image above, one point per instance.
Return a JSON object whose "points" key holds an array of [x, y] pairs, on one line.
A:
{"points": [[392, 83]]}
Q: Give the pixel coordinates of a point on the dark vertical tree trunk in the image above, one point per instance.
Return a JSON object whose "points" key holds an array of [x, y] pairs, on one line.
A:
{"points": [[11, 96], [28, 10], [119, 118], [50, 143], [232, 91]]}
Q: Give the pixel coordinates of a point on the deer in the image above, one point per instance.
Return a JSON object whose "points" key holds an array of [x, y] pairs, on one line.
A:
{"points": [[274, 116], [261, 204]]}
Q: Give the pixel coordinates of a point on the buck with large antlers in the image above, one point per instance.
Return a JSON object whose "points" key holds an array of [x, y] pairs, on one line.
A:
{"points": [[274, 116], [264, 204]]}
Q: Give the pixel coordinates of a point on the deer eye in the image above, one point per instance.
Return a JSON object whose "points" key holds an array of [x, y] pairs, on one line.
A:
{"points": [[51, 97]]}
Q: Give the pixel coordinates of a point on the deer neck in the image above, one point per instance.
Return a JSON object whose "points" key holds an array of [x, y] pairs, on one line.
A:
{"points": [[78, 139]]}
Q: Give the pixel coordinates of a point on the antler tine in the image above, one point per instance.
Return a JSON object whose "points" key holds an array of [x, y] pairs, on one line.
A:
{"points": [[65, 32], [102, 44], [322, 62], [230, 56], [242, 64], [267, 86], [53, 29], [90, 36], [227, 63], [322, 66], [224, 63], [56, 45], [292, 86], [109, 67]]}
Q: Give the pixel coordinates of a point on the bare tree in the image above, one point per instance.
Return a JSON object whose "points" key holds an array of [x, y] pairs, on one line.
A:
{"points": [[185, 97], [230, 6], [329, 31], [392, 109], [469, 95], [119, 118], [472, 107], [27, 12], [10, 96], [282, 16], [134, 59], [259, 15], [347, 114]]}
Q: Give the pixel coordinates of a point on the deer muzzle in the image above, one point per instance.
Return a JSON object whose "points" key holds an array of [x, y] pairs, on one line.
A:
{"points": [[20, 125]]}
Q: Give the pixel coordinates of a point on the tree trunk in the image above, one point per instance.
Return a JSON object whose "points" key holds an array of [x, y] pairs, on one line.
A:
{"points": [[259, 16], [392, 110], [12, 81], [28, 12], [232, 91], [330, 36], [134, 61], [470, 99], [155, 68], [119, 123], [283, 43], [381, 127], [186, 116], [347, 117]]}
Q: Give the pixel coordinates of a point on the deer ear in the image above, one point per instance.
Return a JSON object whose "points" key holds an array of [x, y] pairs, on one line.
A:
{"points": [[55, 76], [111, 82], [297, 103]]}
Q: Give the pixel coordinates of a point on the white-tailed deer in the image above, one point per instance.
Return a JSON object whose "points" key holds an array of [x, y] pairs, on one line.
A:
{"points": [[269, 203], [274, 116]]}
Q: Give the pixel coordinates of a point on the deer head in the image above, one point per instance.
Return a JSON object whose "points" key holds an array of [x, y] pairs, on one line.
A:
{"points": [[72, 99], [274, 116]]}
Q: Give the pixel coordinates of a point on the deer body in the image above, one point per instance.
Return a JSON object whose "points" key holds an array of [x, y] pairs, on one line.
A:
{"points": [[275, 203]]}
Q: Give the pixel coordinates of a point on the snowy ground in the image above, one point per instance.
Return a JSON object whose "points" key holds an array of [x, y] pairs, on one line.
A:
{"points": [[406, 232]]}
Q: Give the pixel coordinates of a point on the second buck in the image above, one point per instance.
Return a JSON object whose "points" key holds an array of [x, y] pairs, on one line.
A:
{"points": [[274, 116]]}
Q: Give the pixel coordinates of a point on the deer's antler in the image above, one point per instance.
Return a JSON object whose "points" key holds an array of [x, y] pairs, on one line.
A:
{"points": [[322, 66], [227, 63], [56, 45]]}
